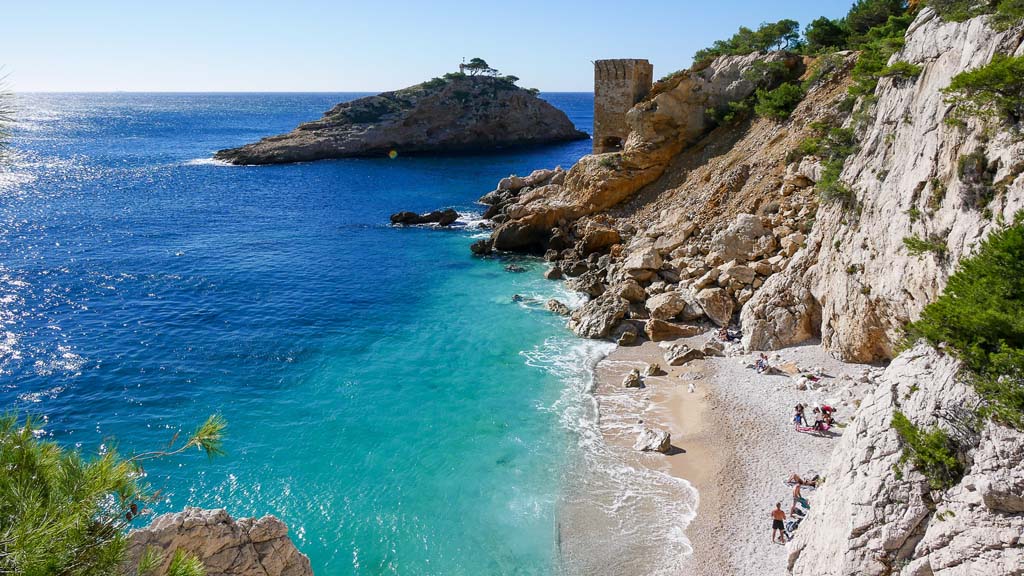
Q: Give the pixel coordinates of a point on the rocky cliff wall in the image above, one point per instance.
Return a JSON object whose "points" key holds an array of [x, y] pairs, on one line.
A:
{"points": [[855, 281], [868, 520], [227, 547], [661, 126]]}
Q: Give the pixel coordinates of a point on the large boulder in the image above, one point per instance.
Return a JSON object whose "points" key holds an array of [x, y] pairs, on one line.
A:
{"points": [[653, 440], [679, 354], [666, 305], [737, 241], [660, 330], [633, 380], [716, 304], [598, 317], [246, 547], [598, 239]]}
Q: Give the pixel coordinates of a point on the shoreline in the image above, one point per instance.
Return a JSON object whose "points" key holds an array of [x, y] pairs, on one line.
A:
{"points": [[733, 441]]}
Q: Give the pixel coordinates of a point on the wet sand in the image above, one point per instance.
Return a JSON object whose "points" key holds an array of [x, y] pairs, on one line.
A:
{"points": [[733, 441]]}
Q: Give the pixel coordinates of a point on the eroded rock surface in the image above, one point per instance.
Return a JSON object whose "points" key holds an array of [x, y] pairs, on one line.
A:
{"points": [[855, 284], [227, 547], [868, 520], [470, 114]]}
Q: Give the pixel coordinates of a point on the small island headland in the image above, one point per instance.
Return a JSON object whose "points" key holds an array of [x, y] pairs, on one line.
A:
{"points": [[470, 111]]}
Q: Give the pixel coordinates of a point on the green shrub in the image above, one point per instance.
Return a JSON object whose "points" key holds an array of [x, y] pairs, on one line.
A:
{"points": [[764, 74], [918, 246], [901, 70], [831, 189], [932, 452], [877, 45], [825, 34], [995, 90], [732, 113], [781, 35], [64, 514], [867, 14], [1006, 13], [779, 103], [914, 213], [434, 83], [980, 317], [937, 195], [610, 161], [822, 70]]}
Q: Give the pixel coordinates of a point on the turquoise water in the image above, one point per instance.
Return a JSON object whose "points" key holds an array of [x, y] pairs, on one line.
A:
{"points": [[373, 378], [385, 395]]}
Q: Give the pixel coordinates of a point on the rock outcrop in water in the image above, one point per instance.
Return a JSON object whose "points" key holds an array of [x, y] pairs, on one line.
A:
{"points": [[456, 115], [227, 547]]}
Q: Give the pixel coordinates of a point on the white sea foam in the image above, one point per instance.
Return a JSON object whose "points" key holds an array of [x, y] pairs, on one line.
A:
{"points": [[615, 517], [206, 162]]}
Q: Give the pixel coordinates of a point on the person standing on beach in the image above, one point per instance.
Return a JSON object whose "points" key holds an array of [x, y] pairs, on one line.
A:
{"points": [[778, 523]]}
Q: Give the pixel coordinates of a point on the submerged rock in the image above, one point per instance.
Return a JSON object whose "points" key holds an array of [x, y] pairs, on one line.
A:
{"points": [[462, 114]]}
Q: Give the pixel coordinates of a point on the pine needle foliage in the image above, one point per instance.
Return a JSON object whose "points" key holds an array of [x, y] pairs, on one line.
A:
{"points": [[64, 514], [980, 318]]}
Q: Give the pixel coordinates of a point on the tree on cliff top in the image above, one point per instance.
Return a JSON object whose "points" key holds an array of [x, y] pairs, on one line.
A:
{"points": [[980, 317], [781, 35], [63, 514], [478, 66]]}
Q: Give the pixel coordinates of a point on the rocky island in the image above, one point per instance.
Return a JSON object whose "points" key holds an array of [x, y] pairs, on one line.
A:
{"points": [[461, 112]]}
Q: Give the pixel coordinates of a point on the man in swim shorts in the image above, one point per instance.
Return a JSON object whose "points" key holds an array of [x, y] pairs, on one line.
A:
{"points": [[778, 523]]}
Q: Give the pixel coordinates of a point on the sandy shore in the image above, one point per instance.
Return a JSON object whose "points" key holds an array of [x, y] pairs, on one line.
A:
{"points": [[733, 441]]}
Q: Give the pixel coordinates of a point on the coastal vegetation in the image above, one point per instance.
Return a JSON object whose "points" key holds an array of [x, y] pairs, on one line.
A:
{"points": [[64, 513], [1005, 13], [992, 92], [980, 318], [781, 35], [918, 246]]}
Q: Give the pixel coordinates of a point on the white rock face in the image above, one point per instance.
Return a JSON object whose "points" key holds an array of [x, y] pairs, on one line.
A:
{"points": [[246, 547], [866, 521], [854, 283]]}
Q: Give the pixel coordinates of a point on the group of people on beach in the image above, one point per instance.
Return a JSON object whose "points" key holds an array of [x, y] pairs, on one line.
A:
{"points": [[782, 531], [823, 418]]}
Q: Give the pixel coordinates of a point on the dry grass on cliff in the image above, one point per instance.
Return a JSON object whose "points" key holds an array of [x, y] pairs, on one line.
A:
{"points": [[734, 169]]}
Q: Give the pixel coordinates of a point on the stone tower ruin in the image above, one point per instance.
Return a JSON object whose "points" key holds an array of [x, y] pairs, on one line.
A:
{"points": [[618, 85]]}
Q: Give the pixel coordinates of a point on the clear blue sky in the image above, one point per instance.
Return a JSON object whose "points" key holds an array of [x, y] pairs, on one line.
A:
{"points": [[369, 45]]}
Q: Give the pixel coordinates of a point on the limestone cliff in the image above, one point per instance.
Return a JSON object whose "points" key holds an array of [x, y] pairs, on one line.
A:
{"points": [[227, 547], [869, 520], [855, 283], [722, 225], [674, 117], [460, 114]]}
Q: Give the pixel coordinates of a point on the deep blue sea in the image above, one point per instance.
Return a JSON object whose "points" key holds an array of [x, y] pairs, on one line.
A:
{"points": [[384, 394]]}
